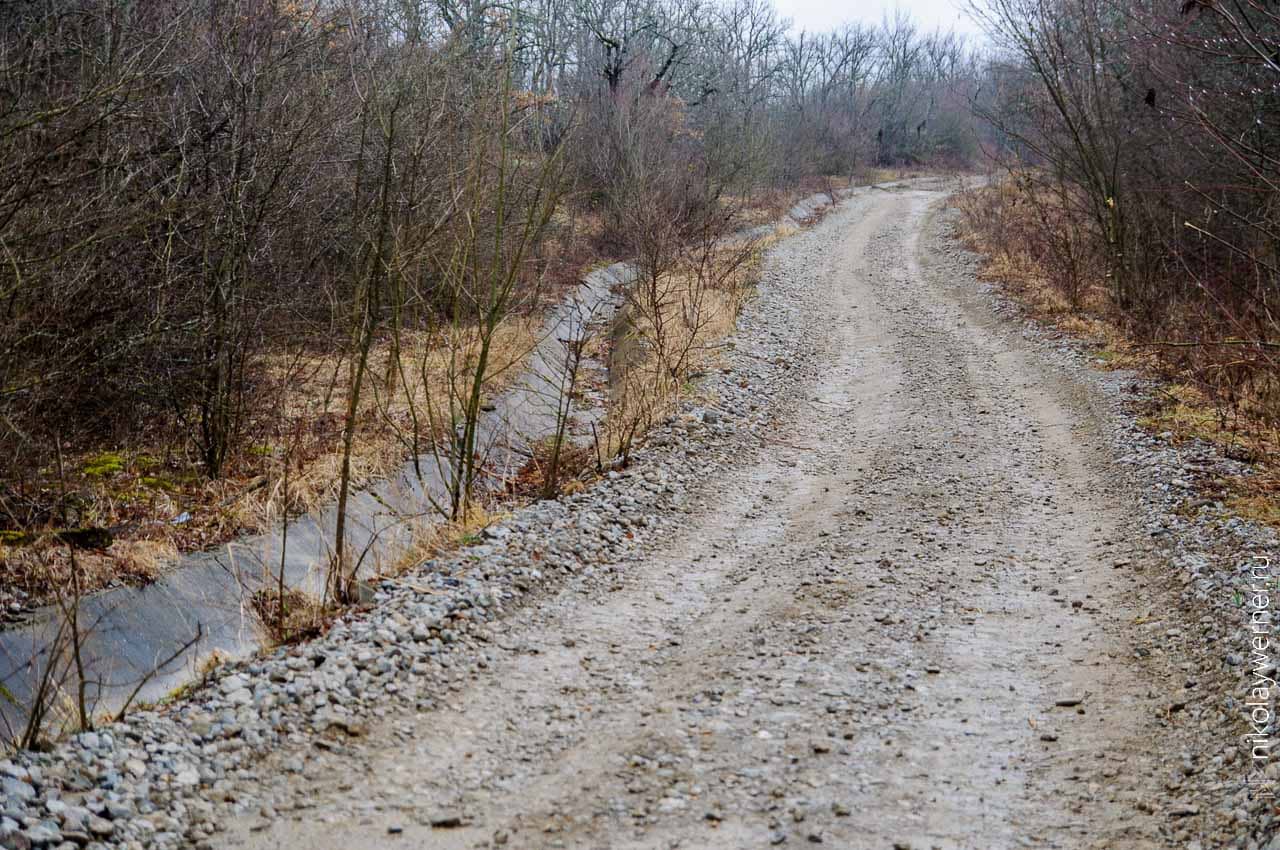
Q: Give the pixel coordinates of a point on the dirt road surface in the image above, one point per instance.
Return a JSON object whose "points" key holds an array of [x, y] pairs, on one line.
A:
{"points": [[905, 620]]}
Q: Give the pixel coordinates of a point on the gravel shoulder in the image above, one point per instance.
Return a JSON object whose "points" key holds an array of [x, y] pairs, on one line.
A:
{"points": [[905, 576]]}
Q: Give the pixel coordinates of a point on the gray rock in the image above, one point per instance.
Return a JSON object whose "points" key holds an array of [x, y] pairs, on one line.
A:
{"points": [[445, 819], [240, 696], [233, 683], [15, 841], [44, 833], [120, 810], [16, 789], [75, 818]]}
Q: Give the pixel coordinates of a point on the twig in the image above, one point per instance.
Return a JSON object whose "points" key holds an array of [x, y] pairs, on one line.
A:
{"points": [[1259, 343], [142, 683]]}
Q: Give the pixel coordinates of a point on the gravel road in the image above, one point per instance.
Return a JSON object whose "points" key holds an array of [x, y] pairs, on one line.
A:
{"points": [[888, 585], [904, 574]]}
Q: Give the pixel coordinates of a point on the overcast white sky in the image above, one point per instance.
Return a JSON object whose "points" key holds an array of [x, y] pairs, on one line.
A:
{"points": [[818, 15]]}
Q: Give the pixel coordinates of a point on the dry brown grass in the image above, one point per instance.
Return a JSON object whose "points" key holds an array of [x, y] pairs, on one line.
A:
{"points": [[699, 306], [576, 240], [1185, 412], [1259, 502], [419, 397], [289, 618], [1000, 224], [1002, 227], [433, 537], [46, 565]]}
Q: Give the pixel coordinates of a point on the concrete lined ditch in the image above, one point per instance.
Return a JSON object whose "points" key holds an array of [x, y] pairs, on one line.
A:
{"points": [[142, 643]]}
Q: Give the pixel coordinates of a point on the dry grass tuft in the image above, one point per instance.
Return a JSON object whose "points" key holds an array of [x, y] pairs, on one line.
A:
{"points": [[660, 341], [1261, 506], [578, 465], [433, 537], [1184, 412], [292, 617], [47, 564]]}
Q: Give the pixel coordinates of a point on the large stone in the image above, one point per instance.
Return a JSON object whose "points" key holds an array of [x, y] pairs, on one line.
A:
{"points": [[44, 833], [16, 789], [241, 696], [234, 683]]}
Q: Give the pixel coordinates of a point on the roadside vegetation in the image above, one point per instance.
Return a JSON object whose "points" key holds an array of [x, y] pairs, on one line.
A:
{"points": [[1139, 203]]}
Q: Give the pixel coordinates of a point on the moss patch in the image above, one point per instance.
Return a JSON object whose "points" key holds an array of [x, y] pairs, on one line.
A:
{"points": [[104, 464]]}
